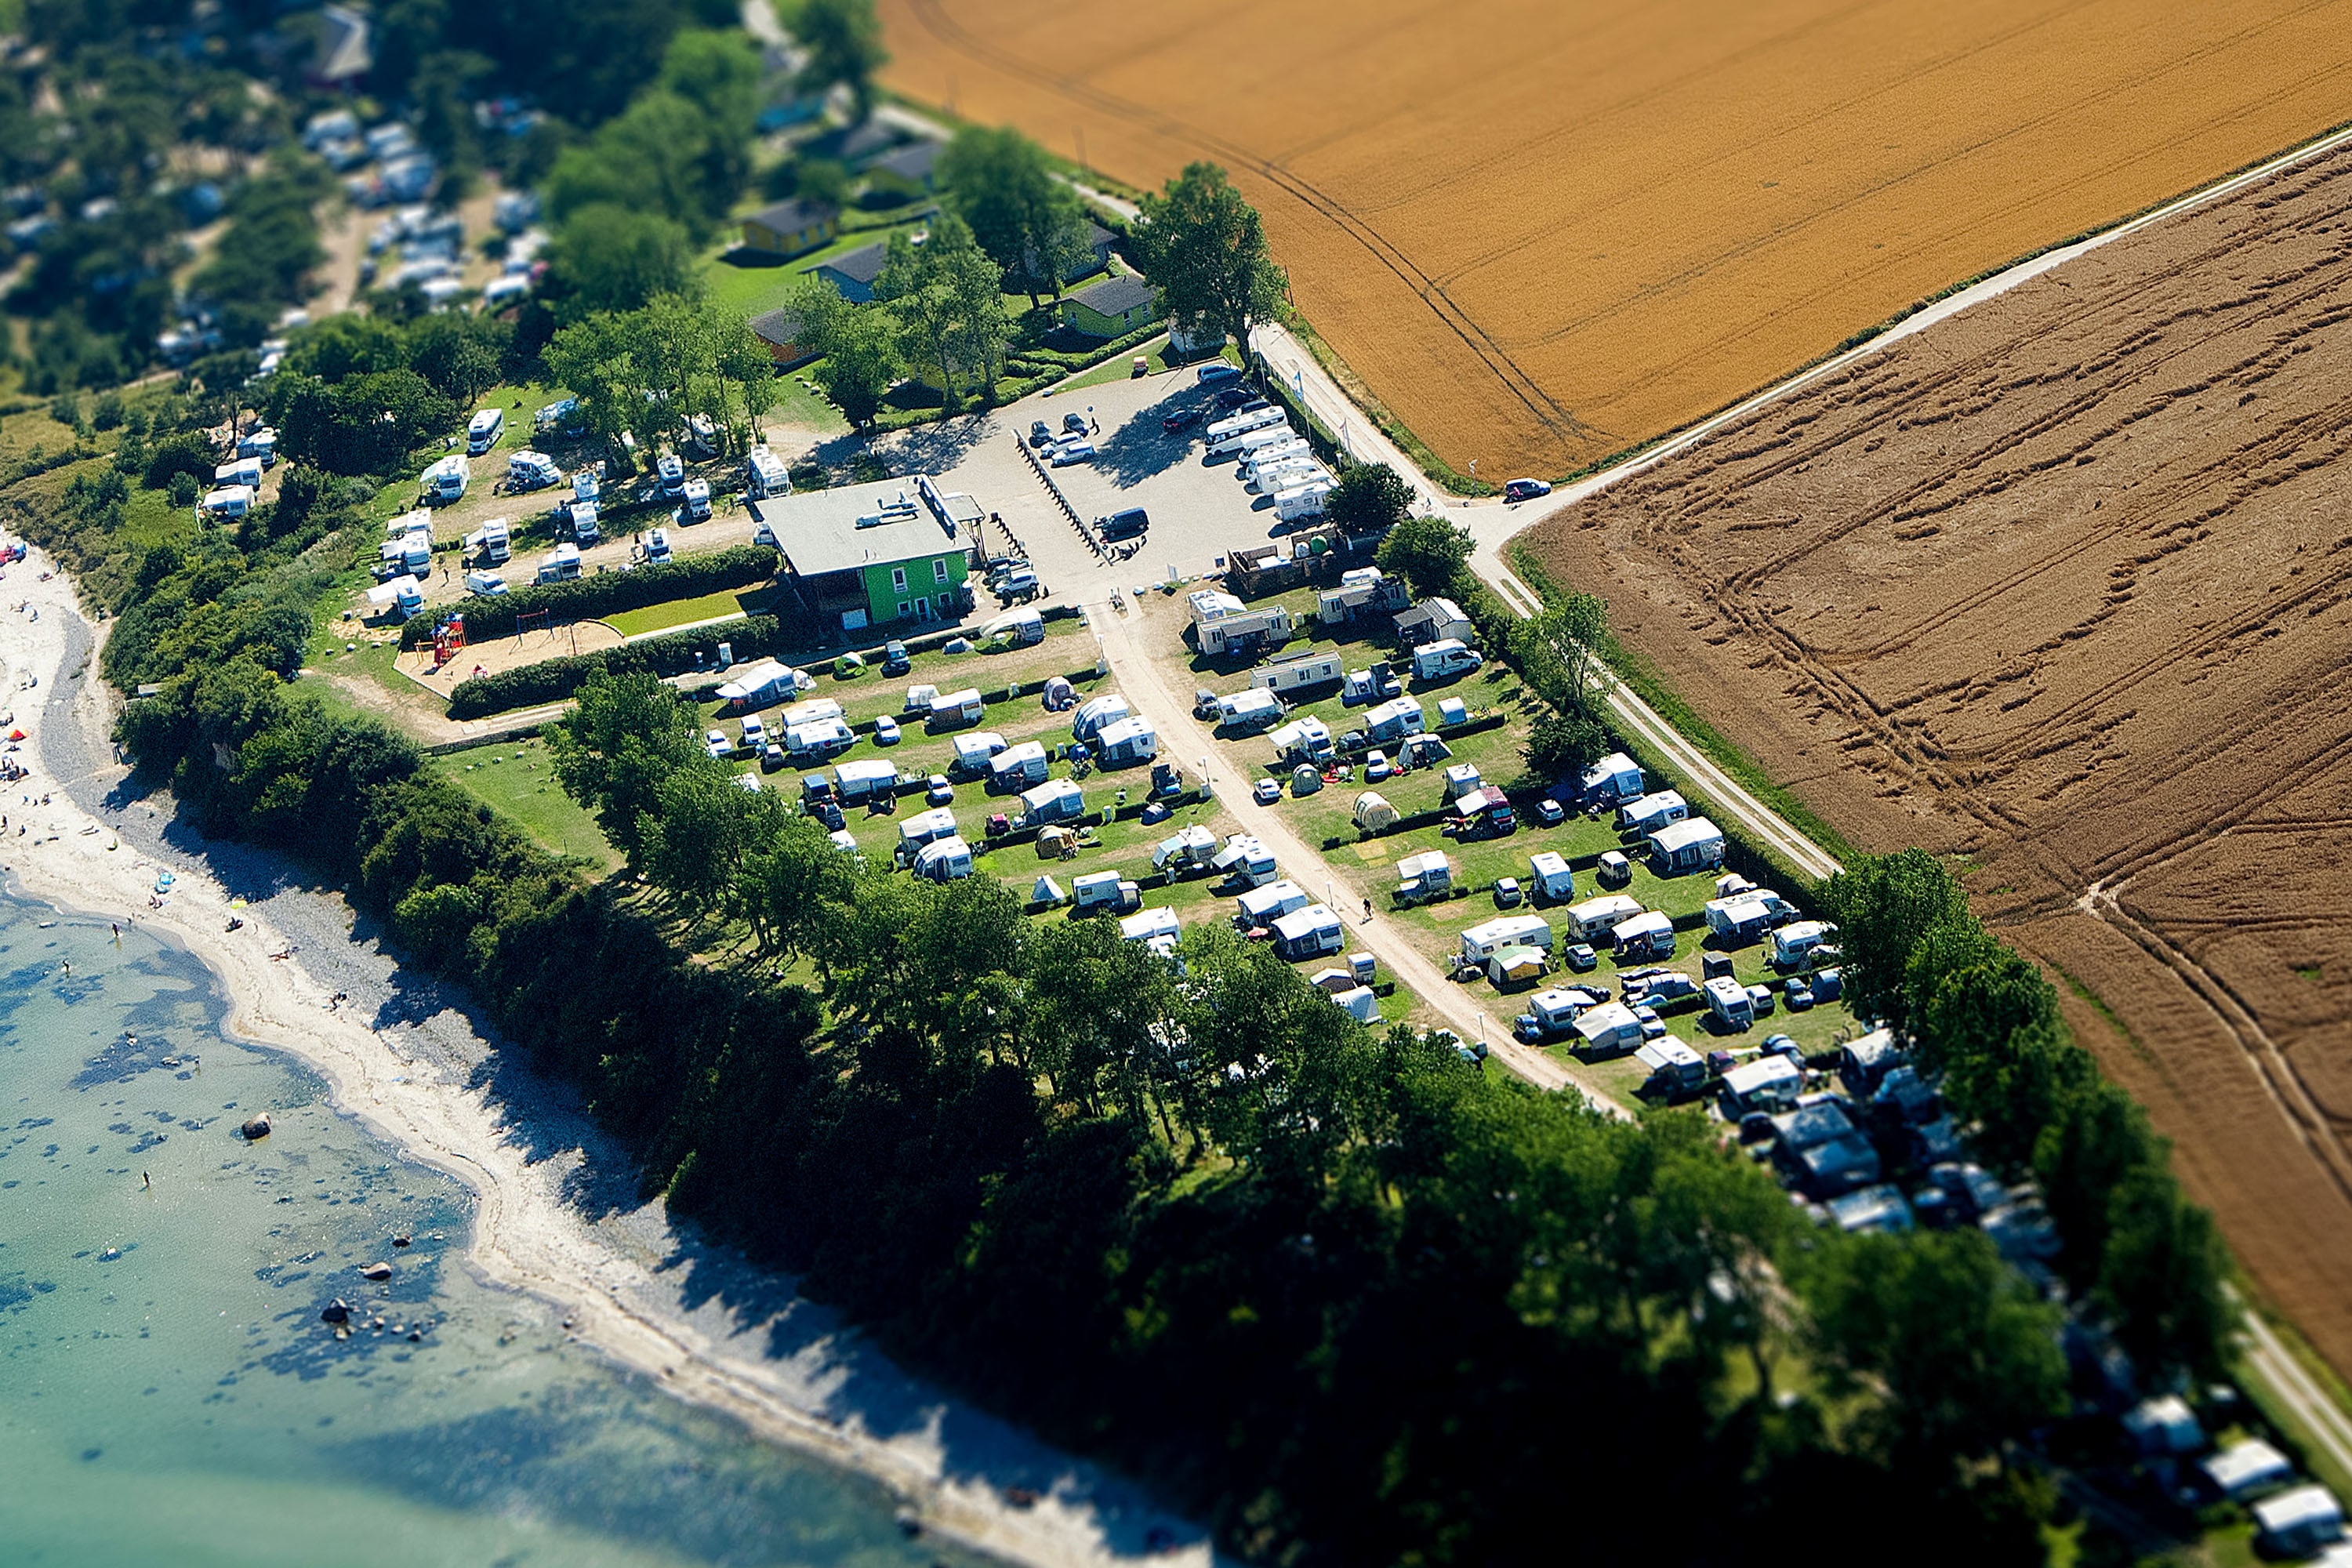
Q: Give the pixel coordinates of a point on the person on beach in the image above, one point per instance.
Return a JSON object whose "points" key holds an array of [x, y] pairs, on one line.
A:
{"points": [[1368, 912], [146, 1182]]}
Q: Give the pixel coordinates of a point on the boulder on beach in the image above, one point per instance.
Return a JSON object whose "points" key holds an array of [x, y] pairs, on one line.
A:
{"points": [[255, 1128], [335, 1311], [400, 1241], [375, 1270]]}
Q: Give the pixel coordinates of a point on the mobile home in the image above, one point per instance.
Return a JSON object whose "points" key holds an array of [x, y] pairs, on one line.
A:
{"points": [[1190, 849], [1554, 1011], [444, 481], [696, 495], [958, 708], [1681, 848], [561, 566], [1728, 1005], [402, 593], [1128, 742], [1287, 473], [581, 515], [1236, 425], [1265, 457], [229, 500], [1302, 501], [1244, 443], [1483, 941], [1738, 920], [1311, 932], [246, 472], [1595, 917], [1244, 711], [1652, 812], [813, 710], [1016, 768], [1298, 672], [530, 470], [824, 738], [1766, 1083], [764, 474], [1242, 631]]}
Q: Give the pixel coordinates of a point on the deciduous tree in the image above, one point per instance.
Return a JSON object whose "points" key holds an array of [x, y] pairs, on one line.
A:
{"points": [[1205, 248]]}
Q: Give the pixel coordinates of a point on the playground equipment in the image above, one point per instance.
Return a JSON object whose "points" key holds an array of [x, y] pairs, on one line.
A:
{"points": [[448, 636]]}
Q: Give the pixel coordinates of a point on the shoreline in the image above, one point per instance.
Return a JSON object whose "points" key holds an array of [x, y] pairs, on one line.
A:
{"points": [[644, 1291]]}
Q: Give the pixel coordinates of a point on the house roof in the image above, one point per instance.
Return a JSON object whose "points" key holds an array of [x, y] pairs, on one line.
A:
{"points": [[863, 264], [796, 214], [1115, 296], [1097, 237], [912, 162], [853, 143], [819, 529], [781, 328]]}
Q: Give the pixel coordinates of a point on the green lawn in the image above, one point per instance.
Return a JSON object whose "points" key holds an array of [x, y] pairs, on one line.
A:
{"points": [[515, 779], [685, 612]]}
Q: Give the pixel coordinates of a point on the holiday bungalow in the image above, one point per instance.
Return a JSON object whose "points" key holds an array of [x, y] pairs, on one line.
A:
{"points": [[853, 272], [1110, 309], [791, 228]]}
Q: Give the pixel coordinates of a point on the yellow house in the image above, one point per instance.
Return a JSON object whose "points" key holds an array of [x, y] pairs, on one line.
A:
{"points": [[788, 228]]}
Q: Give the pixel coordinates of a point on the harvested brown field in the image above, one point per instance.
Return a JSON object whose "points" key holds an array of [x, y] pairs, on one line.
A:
{"points": [[2064, 585], [1542, 231]]}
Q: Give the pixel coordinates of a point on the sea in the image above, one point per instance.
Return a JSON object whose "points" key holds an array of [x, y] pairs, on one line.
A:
{"points": [[171, 1390]]}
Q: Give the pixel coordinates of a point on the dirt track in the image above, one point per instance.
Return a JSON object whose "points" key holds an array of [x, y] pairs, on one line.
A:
{"points": [[2065, 586], [1542, 231]]}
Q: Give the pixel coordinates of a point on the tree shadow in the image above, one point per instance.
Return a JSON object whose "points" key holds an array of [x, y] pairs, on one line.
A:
{"points": [[1139, 449]]}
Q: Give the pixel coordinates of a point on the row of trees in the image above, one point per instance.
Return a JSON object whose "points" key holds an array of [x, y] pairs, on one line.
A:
{"points": [[357, 393], [648, 371]]}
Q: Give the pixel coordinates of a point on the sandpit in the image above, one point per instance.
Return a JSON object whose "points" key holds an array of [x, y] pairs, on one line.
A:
{"points": [[497, 655], [1542, 231], [2065, 586]]}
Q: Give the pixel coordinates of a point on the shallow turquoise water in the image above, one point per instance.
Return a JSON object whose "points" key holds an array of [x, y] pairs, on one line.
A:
{"points": [[168, 1394]]}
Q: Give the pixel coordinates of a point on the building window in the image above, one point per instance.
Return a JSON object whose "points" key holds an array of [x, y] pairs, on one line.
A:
{"points": [[940, 570], [898, 579], [902, 612]]}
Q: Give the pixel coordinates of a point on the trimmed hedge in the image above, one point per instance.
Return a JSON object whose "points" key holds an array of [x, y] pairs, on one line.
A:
{"points": [[552, 679], [607, 592]]}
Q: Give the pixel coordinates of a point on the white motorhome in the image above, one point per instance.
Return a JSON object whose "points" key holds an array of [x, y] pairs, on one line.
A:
{"points": [[530, 470], [1483, 941], [1237, 423], [657, 547], [444, 481], [1241, 442], [402, 593], [229, 500], [483, 430], [696, 495], [1728, 1002], [1302, 501], [1298, 672], [1550, 878], [582, 514], [765, 476], [1015, 768], [1247, 860], [484, 585], [1436, 660], [1264, 457], [561, 566], [490, 542]]}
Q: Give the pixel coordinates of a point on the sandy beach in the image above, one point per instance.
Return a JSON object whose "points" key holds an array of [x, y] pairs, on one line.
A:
{"points": [[559, 1218]]}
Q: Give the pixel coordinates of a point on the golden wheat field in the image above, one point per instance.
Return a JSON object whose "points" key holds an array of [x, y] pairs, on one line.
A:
{"points": [[1542, 231]]}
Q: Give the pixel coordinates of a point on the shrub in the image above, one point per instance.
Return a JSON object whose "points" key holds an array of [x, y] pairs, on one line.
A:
{"points": [[608, 592], [552, 681]]}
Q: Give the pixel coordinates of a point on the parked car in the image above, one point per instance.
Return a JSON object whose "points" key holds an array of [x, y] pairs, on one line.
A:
{"points": [[1183, 419], [1800, 993], [1613, 870], [1210, 374], [717, 743], [771, 757], [1067, 453], [1759, 1001], [1074, 423], [1376, 766], [886, 731], [1581, 958], [1267, 791], [894, 657], [1507, 893], [1525, 490], [1040, 432], [939, 791], [1549, 813]]}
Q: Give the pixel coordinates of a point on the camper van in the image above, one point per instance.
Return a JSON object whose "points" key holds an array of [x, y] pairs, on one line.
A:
{"points": [[1594, 918], [943, 860], [957, 708], [1057, 800], [1395, 720], [1263, 906], [1016, 768], [1652, 812], [483, 430], [819, 739], [1681, 848], [696, 495], [1191, 848], [1302, 501], [1425, 877], [490, 542], [1247, 860], [1649, 935], [1437, 660], [402, 596], [484, 585], [1483, 941], [1311, 932], [669, 473], [530, 470], [1095, 712], [444, 481], [1615, 778], [1794, 943], [1549, 880], [561, 566], [657, 547], [1728, 1005], [863, 780], [1675, 1068], [1240, 443], [972, 752], [765, 476], [583, 516], [1240, 424], [1298, 672], [1129, 741], [1244, 713], [1306, 739]]}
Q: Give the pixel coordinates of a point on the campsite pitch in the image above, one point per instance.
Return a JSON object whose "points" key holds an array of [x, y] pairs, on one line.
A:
{"points": [[1542, 230], [2064, 587]]}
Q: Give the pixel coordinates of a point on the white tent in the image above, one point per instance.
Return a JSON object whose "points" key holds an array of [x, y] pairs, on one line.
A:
{"points": [[1373, 813], [1047, 891]]}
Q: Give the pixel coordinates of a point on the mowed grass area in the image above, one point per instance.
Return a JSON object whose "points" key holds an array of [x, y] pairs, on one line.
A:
{"points": [[517, 779], [686, 612], [1535, 279]]}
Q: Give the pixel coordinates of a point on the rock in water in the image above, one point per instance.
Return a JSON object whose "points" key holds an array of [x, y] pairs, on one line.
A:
{"points": [[335, 1311], [255, 1128], [375, 1270]]}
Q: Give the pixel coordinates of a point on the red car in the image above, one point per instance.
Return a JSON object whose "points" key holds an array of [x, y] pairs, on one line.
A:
{"points": [[1525, 490]]}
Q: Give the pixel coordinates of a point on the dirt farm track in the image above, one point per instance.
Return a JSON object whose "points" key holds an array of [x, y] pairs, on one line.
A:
{"points": [[1542, 231], [2065, 586]]}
